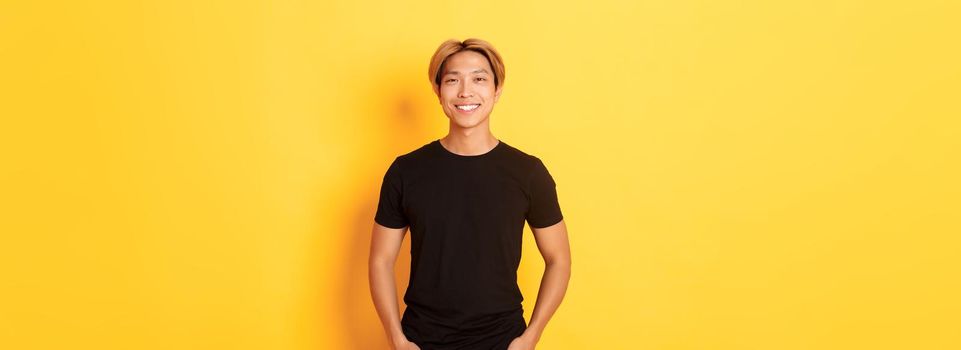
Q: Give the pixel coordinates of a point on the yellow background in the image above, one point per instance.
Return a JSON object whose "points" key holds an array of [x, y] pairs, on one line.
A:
{"points": [[734, 174]]}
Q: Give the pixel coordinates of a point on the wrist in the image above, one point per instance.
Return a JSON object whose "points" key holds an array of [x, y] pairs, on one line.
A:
{"points": [[397, 338], [532, 334]]}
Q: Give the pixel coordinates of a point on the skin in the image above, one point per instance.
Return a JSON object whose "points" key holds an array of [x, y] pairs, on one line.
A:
{"points": [[468, 79]]}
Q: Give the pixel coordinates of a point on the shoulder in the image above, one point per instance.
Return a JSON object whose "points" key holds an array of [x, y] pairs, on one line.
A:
{"points": [[419, 152], [528, 162], [537, 180], [412, 158]]}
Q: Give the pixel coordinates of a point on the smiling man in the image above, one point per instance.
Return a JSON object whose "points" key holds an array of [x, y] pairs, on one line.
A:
{"points": [[465, 198]]}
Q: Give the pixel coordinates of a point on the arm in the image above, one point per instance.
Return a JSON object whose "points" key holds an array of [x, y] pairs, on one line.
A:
{"points": [[385, 243], [554, 247]]}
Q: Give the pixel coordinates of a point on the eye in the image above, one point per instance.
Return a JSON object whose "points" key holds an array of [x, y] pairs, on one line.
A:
{"points": [[480, 79], [451, 80]]}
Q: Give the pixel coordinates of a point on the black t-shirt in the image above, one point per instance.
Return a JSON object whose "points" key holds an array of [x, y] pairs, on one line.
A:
{"points": [[466, 216]]}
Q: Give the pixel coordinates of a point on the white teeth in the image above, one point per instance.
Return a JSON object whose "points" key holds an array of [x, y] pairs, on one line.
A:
{"points": [[468, 107]]}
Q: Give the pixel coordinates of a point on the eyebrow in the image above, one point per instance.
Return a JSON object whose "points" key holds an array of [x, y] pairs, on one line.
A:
{"points": [[481, 70]]}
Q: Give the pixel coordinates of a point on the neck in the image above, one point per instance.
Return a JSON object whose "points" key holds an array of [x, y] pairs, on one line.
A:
{"points": [[469, 142]]}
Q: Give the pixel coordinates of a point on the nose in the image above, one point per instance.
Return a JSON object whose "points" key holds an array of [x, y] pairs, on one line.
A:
{"points": [[464, 91]]}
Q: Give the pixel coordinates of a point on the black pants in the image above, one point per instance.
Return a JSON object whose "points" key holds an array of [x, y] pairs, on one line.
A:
{"points": [[491, 333]]}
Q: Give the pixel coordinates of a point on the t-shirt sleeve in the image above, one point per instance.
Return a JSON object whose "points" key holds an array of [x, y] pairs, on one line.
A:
{"points": [[544, 209], [390, 212]]}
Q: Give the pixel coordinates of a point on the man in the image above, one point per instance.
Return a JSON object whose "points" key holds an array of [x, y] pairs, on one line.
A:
{"points": [[465, 198]]}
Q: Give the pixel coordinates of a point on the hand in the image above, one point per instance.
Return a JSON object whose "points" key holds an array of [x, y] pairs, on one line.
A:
{"points": [[406, 345], [522, 343]]}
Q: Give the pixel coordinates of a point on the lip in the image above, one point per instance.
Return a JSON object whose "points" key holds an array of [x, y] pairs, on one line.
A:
{"points": [[461, 111]]}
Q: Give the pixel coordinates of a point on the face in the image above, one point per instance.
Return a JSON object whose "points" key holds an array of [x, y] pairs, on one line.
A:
{"points": [[466, 92]]}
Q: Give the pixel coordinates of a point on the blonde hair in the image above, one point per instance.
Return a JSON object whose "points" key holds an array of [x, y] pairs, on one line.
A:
{"points": [[450, 47]]}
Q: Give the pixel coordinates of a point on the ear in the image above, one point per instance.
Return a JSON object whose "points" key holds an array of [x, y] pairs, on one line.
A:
{"points": [[497, 93]]}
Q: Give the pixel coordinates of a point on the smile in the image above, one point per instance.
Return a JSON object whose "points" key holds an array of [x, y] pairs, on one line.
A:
{"points": [[468, 107]]}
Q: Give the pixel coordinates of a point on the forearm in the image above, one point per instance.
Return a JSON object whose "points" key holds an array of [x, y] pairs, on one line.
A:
{"points": [[552, 289], [384, 292]]}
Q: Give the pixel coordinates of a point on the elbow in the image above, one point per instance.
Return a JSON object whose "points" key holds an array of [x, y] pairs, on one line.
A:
{"points": [[379, 262], [558, 263], [559, 267], [378, 269]]}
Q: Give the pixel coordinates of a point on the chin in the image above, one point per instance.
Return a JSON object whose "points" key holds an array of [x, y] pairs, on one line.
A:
{"points": [[468, 122]]}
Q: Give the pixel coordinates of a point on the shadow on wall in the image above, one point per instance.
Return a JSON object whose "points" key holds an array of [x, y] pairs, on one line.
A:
{"points": [[401, 114]]}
